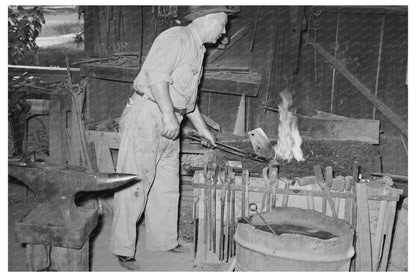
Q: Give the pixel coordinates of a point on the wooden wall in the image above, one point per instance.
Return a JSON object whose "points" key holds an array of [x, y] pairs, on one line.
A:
{"points": [[271, 50]]}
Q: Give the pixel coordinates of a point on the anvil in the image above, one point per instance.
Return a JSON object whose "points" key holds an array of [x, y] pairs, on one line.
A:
{"points": [[56, 220]]}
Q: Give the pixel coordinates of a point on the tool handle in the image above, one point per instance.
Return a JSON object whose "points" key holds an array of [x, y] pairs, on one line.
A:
{"points": [[226, 148]]}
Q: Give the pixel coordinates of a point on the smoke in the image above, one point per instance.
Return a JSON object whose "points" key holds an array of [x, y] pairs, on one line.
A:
{"points": [[289, 140]]}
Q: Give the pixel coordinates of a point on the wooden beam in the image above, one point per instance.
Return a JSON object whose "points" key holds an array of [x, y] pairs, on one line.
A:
{"points": [[392, 116], [321, 128], [231, 83], [225, 82], [214, 55]]}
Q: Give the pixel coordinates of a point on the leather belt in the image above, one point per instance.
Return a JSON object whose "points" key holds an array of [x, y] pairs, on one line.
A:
{"points": [[182, 112]]}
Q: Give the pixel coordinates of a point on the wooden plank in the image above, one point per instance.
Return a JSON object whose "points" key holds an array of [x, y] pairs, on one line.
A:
{"points": [[348, 202], [111, 139], [37, 257], [234, 38], [393, 176], [392, 116], [305, 192], [364, 236], [390, 217], [68, 259], [338, 186], [378, 237], [319, 128], [247, 84], [225, 82], [57, 133], [310, 200], [45, 258]]}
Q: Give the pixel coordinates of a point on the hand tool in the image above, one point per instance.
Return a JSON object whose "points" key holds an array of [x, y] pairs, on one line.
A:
{"points": [[214, 206], [209, 209], [264, 196], [195, 217], [222, 199], [268, 191], [324, 187], [244, 180], [232, 252], [273, 175], [248, 221], [227, 214], [56, 220], [191, 134], [273, 197], [205, 173], [247, 200], [253, 208]]}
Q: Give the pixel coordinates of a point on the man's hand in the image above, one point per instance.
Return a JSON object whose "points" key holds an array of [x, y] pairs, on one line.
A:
{"points": [[208, 139], [170, 126]]}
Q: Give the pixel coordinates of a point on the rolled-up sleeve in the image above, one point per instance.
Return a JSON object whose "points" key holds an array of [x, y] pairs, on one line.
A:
{"points": [[161, 60]]}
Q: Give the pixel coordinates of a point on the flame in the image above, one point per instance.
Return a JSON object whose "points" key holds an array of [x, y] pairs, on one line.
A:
{"points": [[289, 140]]}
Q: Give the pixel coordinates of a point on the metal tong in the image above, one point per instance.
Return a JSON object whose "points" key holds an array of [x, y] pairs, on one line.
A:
{"points": [[192, 134]]}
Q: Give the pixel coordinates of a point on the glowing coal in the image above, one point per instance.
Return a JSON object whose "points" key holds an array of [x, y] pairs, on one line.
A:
{"points": [[289, 141]]}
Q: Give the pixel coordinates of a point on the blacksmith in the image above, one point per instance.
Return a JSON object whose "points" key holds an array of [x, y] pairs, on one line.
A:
{"points": [[165, 91]]}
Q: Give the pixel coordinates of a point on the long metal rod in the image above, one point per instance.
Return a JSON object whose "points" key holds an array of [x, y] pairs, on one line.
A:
{"points": [[380, 47], [232, 150], [253, 208], [333, 68]]}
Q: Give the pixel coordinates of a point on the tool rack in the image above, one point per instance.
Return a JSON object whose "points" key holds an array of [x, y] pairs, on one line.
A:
{"points": [[222, 197]]}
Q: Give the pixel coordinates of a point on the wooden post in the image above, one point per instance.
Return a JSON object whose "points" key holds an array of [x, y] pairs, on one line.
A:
{"points": [[364, 236], [240, 122], [46, 258], [378, 238], [57, 132], [391, 215]]}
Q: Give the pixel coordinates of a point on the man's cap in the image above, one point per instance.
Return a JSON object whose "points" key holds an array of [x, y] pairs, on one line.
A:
{"points": [[198, 11]]}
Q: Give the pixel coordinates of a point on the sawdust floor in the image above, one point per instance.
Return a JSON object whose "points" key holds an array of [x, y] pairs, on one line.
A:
{"points": [[21, 201]]}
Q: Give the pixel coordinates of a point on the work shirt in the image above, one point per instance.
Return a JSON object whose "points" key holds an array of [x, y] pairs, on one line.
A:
{"points": [[175, 57]]}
